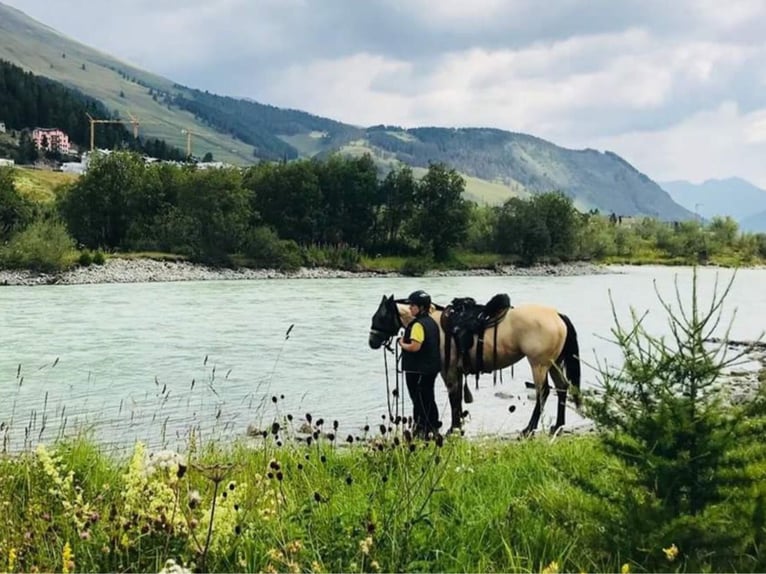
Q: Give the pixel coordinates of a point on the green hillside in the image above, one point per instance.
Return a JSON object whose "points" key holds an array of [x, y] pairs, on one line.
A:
{"points": [[496, 164], [119, 86]]}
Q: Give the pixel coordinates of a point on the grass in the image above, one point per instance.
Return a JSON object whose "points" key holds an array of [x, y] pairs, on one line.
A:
{"points": [[40, 185], [382, 503]]}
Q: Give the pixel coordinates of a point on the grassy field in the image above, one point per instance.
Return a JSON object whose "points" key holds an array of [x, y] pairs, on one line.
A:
{"points": [[40, 185]]}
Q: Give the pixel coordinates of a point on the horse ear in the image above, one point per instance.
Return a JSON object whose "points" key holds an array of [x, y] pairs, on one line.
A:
{"points": [[384, 299]]}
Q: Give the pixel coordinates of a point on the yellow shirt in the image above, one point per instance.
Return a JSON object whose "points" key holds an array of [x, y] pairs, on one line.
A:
{"points": [[418, 333]]}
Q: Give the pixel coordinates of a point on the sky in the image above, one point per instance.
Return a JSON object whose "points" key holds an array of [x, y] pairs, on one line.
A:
{"points": [[678, 88]]}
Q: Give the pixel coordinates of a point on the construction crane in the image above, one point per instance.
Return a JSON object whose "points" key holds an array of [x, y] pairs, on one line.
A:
{"points": [[189, 135], [134, 121], [93, 123]]}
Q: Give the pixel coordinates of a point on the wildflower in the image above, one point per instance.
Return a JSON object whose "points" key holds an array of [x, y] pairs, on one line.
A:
{"points": [[67, 559], [552, 568], [85, 535], [625, 569], [375, 566], [294, 547], [171, 567], [316, 567], [671, 553], [11, 560], [365, 545], [194, 499]]}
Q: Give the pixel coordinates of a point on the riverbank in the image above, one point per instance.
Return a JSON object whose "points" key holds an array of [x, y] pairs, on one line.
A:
{"points": [[118, 270]]}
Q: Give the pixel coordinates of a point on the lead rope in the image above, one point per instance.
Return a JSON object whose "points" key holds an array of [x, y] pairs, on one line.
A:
{"points": [[393, 414], [387, 349]]}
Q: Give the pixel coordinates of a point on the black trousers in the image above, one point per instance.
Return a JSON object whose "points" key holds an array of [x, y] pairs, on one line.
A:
{"points": [[425, 412]]}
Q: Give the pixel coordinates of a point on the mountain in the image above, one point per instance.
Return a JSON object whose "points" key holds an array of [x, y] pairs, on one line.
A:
{"points": [[754, 223], [496, 164], [735, 197]]}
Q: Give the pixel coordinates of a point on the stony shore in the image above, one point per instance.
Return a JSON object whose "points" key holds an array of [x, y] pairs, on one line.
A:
{"points": [[118, 270]]}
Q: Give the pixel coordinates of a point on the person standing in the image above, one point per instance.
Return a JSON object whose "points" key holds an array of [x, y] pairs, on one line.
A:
{"points": [[421, 362]]}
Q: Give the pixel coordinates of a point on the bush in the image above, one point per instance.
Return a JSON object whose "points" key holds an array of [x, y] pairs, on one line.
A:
{"points": [[265, 249], [44, 246], [99, 258], [333, 256], [415, 266], [86, 258], [697, 459]]}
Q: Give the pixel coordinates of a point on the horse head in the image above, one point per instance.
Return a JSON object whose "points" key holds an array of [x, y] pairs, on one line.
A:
{"points": [[385, 322]]}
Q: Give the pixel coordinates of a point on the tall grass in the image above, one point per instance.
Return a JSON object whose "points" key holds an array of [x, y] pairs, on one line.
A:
{"points": [[333, 504]]}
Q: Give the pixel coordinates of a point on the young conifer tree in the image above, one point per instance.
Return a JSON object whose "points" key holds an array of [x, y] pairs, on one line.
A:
{"points": [[694, 458]]}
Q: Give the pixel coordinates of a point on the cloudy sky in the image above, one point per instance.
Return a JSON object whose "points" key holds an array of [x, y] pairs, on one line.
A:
{"points": [[676, 87]]}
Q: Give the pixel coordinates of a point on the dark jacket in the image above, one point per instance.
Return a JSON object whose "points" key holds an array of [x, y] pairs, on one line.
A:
{"points": [[428, 358]]}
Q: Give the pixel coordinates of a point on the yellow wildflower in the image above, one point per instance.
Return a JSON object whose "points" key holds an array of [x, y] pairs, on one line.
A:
{"points": [[375, 566], [552, 568], [11, 560], [67, 559], [365, 545], [671, 553], [625, 569], [316, 567]]}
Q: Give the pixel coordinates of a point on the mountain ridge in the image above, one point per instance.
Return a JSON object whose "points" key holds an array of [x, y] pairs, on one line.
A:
{"points": [[504, 164], [736, 197]]}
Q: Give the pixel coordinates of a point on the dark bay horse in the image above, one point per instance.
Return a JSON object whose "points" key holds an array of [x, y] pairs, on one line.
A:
{"points": [[541, 334]]}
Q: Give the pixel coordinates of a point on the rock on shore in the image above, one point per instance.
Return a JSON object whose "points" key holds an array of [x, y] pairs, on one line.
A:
{"points": [[117, 270]]}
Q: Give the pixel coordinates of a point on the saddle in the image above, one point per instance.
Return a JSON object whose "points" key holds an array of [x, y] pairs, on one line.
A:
{"points": [[464, 320]]}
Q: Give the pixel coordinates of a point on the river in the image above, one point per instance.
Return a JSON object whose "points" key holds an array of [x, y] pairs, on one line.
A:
{"points": [[151, 361]]}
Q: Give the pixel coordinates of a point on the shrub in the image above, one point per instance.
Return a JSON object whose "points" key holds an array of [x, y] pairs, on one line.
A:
{"points": [[697, 458], [86, 258], [264, 247], [44, 246], [415, 266], [333, 256], [99, 258]]}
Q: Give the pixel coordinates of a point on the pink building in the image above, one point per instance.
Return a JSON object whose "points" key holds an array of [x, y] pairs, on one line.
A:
{"points": [[51, 139]]}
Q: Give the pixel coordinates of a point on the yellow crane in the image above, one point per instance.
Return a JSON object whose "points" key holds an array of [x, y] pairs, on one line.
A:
{"points": [[189, 135], [93, 123]]}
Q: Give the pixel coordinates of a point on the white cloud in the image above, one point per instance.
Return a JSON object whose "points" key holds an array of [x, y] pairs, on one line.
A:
{"points": [[716, 143], [664, 83]]}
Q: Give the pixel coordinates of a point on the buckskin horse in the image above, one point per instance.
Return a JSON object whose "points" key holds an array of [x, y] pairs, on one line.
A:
{"points": [[544, 336]]}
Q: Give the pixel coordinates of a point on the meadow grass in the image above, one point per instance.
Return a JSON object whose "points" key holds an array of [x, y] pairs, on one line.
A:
{"points": [[376, 502]]}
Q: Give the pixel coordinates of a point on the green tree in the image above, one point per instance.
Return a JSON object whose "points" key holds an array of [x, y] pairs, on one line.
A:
{"points": [[217, 206], [288, 199], [100, 206], [698, 458], [441, 214], [559, 216], [397, 193], [15, 210]]}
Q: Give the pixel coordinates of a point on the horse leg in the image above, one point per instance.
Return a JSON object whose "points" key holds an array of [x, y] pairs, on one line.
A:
{"points": [[540, 377], [557, 374], [452, 380]]}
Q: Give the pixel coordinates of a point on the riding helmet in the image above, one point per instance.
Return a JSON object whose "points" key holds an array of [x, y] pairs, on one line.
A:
{"points": [[419, 298]]}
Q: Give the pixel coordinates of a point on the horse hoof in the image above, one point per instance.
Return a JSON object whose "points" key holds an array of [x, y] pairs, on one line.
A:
{"points": [[554, 429]]}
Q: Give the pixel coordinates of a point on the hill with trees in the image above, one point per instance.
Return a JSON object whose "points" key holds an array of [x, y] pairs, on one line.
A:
{"points": [[496, 164]]}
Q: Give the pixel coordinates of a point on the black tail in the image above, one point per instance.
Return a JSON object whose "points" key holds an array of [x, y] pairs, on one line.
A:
{"points": [[571, 356]]}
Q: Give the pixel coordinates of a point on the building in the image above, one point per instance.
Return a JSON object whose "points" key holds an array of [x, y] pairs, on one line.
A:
{"points": [[6, 162], [51, 139]]}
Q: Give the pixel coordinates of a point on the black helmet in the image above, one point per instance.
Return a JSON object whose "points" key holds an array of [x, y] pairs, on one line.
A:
{"points": [[419, 298]]}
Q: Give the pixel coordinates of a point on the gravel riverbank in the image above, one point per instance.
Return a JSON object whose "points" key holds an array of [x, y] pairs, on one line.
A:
{"points": [[118, 270]]}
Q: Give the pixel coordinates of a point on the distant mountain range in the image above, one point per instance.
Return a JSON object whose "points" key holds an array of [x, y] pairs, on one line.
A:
{"points": [[496, 164], [735, 197]]}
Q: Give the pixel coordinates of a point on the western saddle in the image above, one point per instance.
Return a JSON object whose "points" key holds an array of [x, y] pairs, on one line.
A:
{"points": [[463, 320]]}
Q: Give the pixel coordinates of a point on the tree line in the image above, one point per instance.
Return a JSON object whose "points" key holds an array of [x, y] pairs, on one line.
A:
{"points": [[274, 214]]}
